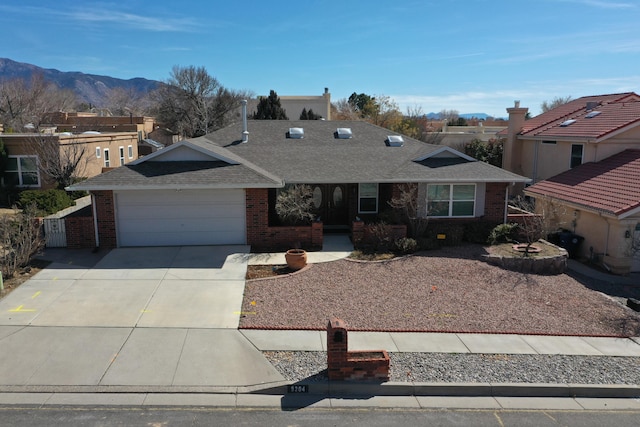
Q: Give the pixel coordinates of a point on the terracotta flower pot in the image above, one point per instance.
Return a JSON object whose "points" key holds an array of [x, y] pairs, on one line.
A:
{"points": [[296, 258]]}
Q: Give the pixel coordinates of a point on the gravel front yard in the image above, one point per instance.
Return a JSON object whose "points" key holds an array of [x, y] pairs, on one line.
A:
{"points": [[449, 290]]}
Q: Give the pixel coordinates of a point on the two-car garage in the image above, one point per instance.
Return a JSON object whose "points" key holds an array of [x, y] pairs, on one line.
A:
{"points": [[180, 217]]}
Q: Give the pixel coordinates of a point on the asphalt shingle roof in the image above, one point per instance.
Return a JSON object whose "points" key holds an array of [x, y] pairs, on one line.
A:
{"points": [[611, 185], [321, 157], [177, 174]]}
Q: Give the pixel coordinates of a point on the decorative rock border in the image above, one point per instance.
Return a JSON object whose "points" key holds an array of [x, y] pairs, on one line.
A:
{"points": [[550, 265]]}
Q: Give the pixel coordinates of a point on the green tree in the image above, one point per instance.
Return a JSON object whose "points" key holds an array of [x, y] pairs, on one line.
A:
{"points": [[309, 115], [488, 152], [269, 108]]}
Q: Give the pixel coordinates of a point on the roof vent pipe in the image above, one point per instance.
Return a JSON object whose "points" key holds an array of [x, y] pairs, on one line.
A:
{"points": [[245, 132]]}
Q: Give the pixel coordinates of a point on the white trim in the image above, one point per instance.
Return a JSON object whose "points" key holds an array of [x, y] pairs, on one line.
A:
{"points": [[98, 153], [121, 156], [180, 144], [130, 151], [442, 150], [451, 201], [20, 172], [107, 158], [377, 197]]}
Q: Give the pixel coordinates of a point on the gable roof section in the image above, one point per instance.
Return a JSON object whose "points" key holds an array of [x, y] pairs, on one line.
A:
{"points": [[610, 186], [183, 165], [617, 112]]}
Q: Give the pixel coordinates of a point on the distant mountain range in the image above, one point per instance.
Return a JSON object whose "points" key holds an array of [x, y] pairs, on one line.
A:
{"points": [[480, 116], [90, 88]]}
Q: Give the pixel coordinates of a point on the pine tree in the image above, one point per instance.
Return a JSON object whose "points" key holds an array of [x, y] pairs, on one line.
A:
{"points": [[269, 108]]}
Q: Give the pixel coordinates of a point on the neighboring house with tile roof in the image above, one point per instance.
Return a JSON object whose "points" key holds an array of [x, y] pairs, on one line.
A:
{"points": [[583, 157], [601, 202], [221, 188]]}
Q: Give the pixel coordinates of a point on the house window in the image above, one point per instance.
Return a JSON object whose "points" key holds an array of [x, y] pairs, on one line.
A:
{"points": [[107, 160], [368, 198], [121, 156], [130, 149], [451, 200], [22, 171], [576, 154], [98, 152]]}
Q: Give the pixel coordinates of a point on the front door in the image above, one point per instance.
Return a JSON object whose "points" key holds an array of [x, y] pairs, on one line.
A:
{"points": [[330, 201]]}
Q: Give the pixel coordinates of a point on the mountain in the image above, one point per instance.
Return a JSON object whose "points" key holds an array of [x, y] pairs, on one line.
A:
{"points": [[480, 116], [90, 88]]}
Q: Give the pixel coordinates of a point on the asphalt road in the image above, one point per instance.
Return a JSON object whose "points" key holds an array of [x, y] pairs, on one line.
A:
{"points": [[177, 416]]}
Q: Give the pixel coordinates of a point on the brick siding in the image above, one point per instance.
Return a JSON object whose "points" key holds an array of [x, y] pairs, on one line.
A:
{"points": [[263, 237]]}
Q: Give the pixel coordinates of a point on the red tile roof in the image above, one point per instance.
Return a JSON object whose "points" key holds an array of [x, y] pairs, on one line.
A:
{"points": [[622, 110], [611, 185]]}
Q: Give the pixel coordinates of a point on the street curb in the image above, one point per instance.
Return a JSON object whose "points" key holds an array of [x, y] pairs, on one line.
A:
{"points": [[354, 389]]}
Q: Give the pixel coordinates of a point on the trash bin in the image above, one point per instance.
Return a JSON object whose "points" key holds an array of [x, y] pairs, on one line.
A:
{"points": [[570, 241]]}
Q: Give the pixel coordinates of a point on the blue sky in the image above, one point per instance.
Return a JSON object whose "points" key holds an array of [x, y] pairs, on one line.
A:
{"points": [[465, 55]]}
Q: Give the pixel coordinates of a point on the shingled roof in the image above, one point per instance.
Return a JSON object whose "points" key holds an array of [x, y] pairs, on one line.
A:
{"points": [[610, 186]]}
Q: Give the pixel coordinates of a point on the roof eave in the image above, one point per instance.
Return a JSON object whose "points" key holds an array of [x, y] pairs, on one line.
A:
{"points": [[172, 187]]}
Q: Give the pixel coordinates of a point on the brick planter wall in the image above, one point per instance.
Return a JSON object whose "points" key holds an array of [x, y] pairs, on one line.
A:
{"points": [[262, 237]]}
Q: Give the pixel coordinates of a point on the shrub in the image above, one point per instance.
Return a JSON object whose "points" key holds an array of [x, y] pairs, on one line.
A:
{"points": [[46, 201], [405, 245], [503, 233]]}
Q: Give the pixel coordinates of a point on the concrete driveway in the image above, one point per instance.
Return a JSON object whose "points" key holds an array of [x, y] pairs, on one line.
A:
{"points": [[136, 317], [173, 287]]}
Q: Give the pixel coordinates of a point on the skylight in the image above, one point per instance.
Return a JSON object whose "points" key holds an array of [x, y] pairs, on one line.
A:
{"points": [[592, 114], [567, 123], [395, 141], [344, 133], [296, 133]]}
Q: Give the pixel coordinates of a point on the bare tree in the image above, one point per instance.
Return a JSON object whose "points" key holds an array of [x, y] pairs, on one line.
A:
{"points": [[24, 103], [538, 219], [123, 102], [20, 238], [64, 161], [556, 102], [406, 204], [193, 103]]}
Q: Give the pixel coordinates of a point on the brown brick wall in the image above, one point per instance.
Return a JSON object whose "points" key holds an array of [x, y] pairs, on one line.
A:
{"points": [[105, 210], [80, 232], [494, 202], [262, 237]]}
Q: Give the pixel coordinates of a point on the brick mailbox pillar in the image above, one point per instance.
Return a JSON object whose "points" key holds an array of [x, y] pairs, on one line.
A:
{"points": [[336, 348], [352, 365]]}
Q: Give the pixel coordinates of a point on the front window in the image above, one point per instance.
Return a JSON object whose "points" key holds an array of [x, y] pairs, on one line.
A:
{"points": [[451, 200], [22, 171], [368, 198], [130, 149], [576, 155], [107, 159], [121, 156], [98, 152]]}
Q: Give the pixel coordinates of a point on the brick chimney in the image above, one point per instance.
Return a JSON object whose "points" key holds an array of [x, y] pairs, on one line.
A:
{"points": [[512, 156]]}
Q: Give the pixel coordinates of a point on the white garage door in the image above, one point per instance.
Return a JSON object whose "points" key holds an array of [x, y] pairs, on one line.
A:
{"points": [[185, 217]]}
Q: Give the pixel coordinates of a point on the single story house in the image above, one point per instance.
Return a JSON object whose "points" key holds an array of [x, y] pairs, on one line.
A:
{"points": [[221, 188]]}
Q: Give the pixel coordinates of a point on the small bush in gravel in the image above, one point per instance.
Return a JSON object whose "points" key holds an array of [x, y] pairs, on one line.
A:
{"points": [[405, 245], [503, 233]]}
